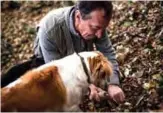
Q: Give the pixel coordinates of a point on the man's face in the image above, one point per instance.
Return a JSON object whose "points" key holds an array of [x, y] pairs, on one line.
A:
{"points": [[93, 26]]}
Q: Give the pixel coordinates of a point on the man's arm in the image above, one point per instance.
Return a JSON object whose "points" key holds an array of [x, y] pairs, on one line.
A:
{"points": [[104, 45], [48, 46]]}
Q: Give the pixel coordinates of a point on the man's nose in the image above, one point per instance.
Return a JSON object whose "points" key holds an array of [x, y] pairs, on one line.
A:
{"points": [[98, 34]]}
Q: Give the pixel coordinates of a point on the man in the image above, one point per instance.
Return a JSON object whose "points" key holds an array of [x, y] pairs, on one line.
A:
{"points": [[74, 29]]}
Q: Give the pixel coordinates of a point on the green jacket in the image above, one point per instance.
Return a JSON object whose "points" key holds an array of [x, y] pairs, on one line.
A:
{"points": [[55, 40]]}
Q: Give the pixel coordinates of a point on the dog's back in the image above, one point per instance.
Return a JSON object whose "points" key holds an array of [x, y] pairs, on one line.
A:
{"points": [[34, 92]]}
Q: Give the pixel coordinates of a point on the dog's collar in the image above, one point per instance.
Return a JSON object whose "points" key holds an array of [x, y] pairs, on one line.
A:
{"points": [[85, 68]]}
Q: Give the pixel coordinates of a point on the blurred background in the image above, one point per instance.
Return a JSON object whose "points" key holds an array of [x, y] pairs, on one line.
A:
{"points": [[136, 31]]}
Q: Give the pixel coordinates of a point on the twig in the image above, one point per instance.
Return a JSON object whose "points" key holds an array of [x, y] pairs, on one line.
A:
{"points": [[160, 34], [139, 101]]}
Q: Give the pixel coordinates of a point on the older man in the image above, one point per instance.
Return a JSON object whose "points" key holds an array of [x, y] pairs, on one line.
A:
{"points": [[77, 28]]}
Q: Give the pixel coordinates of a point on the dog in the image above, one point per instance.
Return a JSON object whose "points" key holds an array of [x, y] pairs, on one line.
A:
{"points": [[58, 85]]}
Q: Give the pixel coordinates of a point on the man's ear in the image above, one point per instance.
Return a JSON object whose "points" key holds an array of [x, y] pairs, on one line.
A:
{"points": [[78, 15]]}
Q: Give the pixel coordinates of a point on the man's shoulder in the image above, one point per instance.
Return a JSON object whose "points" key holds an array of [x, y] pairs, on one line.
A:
{"points": [[54, 17], [60, 10]]}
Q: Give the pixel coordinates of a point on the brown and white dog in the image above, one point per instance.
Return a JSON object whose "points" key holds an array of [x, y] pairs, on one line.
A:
{"points": [[55, 86]]}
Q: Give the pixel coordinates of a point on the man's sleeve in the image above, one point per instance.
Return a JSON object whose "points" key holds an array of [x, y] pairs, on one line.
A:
{"points": [[48, 46], [104, 45]]}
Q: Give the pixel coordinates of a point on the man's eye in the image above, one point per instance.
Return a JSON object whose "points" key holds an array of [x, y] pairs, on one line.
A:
{"points": [[95, 29]]}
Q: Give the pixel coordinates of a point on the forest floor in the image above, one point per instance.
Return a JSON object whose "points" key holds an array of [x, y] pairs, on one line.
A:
{"points": [[136, 32]]}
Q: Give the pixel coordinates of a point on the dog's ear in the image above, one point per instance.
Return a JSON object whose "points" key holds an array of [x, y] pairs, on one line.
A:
{"points": [[101, 65], [107, 67], [93, 64], [100, 68]]}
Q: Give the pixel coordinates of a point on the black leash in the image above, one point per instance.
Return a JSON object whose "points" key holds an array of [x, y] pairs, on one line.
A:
{"points": [[85, 68]]}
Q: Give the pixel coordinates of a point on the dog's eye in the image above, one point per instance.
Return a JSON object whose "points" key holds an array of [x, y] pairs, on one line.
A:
{"points": [[103, 75]]}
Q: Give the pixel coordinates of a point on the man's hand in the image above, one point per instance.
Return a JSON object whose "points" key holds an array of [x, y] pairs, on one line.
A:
{"points": [[116, 93], [94, 93]]}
